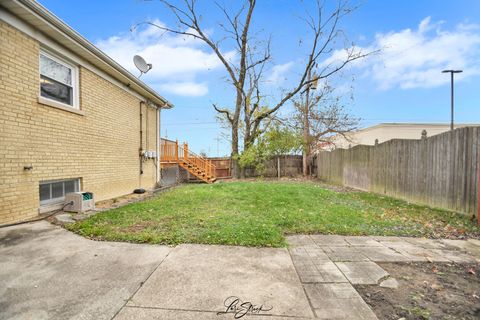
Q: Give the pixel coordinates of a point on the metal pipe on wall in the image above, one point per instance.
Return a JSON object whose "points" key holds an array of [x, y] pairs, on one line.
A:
{"points": [[140, 149], [158, 138], [146, 127]]}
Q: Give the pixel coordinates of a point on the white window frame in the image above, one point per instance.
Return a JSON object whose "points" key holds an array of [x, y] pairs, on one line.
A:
{"points": [[52, 201], [75, 82]]}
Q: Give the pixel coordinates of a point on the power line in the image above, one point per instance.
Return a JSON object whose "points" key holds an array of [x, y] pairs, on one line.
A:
{"points": [[188, 123], [361, 119]]}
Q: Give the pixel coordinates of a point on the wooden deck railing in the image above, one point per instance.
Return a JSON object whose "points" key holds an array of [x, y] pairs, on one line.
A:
{"points": [[175, 153]]}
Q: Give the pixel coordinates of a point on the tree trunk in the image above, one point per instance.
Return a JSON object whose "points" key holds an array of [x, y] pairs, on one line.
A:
{"points": [[234, 155], [305, 163], [306, 128], [235, 167], [246, 145], [236, 118], [306, 147]]}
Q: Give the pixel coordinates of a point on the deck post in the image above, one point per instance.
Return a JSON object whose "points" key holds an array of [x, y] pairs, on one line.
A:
{"points": [[185, 150]]}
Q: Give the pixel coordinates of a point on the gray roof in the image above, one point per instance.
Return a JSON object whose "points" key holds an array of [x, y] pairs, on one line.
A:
{"points": [[40, 18]]}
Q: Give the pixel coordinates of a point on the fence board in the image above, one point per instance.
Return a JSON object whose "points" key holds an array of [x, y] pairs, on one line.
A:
{"points": [[440, 171]]}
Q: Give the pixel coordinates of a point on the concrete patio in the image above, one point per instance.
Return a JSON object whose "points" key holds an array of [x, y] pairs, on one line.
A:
{"points": [[47, 272]]}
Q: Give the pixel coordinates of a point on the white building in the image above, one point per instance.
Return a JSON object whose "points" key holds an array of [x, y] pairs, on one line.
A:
{"points": [[387, 131]]}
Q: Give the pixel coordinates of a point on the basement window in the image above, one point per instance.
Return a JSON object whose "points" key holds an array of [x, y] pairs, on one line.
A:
{"points": [[52, 192], [58, 81]]}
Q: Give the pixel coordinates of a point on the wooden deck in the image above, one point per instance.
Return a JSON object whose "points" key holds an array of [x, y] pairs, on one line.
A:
{"points": [[173, 153]]}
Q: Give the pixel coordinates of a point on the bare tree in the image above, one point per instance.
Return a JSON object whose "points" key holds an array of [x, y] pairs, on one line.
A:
{"points": [[321, 117], [245, 73], [322, 45]]}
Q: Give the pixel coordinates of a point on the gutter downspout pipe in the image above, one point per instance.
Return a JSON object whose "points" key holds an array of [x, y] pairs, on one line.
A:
{"points": [[157, 147], [140, 149]]}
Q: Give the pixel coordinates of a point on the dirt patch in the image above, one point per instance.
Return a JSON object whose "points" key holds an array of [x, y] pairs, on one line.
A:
{"points": [[317, 182], [121, 201], [159, 224], [137, 227], [336, 188], [427, 291], [269, 179]]}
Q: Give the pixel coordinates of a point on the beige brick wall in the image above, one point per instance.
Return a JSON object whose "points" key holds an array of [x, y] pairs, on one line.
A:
{"points": [[101, 147]]}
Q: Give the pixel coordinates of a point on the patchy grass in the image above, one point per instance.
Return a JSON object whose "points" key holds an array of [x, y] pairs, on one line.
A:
{"points": [[260, 213]]}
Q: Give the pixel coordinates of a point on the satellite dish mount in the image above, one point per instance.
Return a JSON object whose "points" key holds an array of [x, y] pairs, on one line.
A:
{"points": [[141, 65]]}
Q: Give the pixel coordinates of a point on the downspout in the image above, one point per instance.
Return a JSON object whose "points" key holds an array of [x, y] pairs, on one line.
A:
{"points": [[140, 149], [159, 110], [147, 125]]}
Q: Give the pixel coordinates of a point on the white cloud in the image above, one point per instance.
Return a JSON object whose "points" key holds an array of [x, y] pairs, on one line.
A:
{"points": [[189, 89], [278, 73], [176, 59], [414, 58]]}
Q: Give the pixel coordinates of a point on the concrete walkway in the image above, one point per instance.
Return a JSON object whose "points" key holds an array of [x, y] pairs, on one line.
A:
{"points": [[47, 272]]}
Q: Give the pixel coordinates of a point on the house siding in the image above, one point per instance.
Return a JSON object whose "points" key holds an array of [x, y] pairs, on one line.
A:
{"points": [[101, 147]]}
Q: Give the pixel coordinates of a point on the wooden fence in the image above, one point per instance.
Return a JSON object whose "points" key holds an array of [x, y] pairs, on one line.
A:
{"points": [[290, 166], [440, 171], [223, 168]]}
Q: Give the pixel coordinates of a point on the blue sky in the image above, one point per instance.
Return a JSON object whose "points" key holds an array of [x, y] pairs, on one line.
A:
{"points": [[404, 83]]}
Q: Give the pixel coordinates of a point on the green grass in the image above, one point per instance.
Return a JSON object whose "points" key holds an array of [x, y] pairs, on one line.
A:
{"points": [[261, 213]]}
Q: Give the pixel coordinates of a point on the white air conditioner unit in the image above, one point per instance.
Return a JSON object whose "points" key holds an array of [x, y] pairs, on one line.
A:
{"points": [[82, 201]]}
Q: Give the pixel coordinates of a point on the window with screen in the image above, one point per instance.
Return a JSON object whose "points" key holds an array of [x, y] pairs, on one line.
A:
{"points": [[57, 80], [54, 191]]}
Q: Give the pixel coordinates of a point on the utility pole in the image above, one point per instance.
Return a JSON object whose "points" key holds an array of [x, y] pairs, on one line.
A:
{"points": [[451, 94], [218, 142], [306, 127]]}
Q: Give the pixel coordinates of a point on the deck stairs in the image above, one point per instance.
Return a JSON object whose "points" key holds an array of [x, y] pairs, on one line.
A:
{"points": [[198, 166]]}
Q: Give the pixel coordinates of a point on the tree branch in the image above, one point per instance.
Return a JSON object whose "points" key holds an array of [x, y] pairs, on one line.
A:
{"points": [[225, 112]]}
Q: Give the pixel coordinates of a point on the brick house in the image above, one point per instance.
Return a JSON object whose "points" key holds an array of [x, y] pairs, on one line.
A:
{"points": [[71, 118]]}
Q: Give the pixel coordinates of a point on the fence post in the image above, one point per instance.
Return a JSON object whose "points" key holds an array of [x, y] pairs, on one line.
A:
{"points": [[278, 167], [478, 187], [176, 150], [424, 134]]}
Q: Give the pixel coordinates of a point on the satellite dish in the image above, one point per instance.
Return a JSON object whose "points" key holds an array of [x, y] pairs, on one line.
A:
{"points": [[141, 65]]}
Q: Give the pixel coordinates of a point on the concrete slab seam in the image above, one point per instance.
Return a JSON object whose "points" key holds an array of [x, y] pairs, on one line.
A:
{"points": [[141, 284], [303, 287], [210, 311]]}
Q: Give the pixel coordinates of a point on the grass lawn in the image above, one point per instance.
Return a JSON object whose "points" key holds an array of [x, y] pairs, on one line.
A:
{"points": [[261, 213]]}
